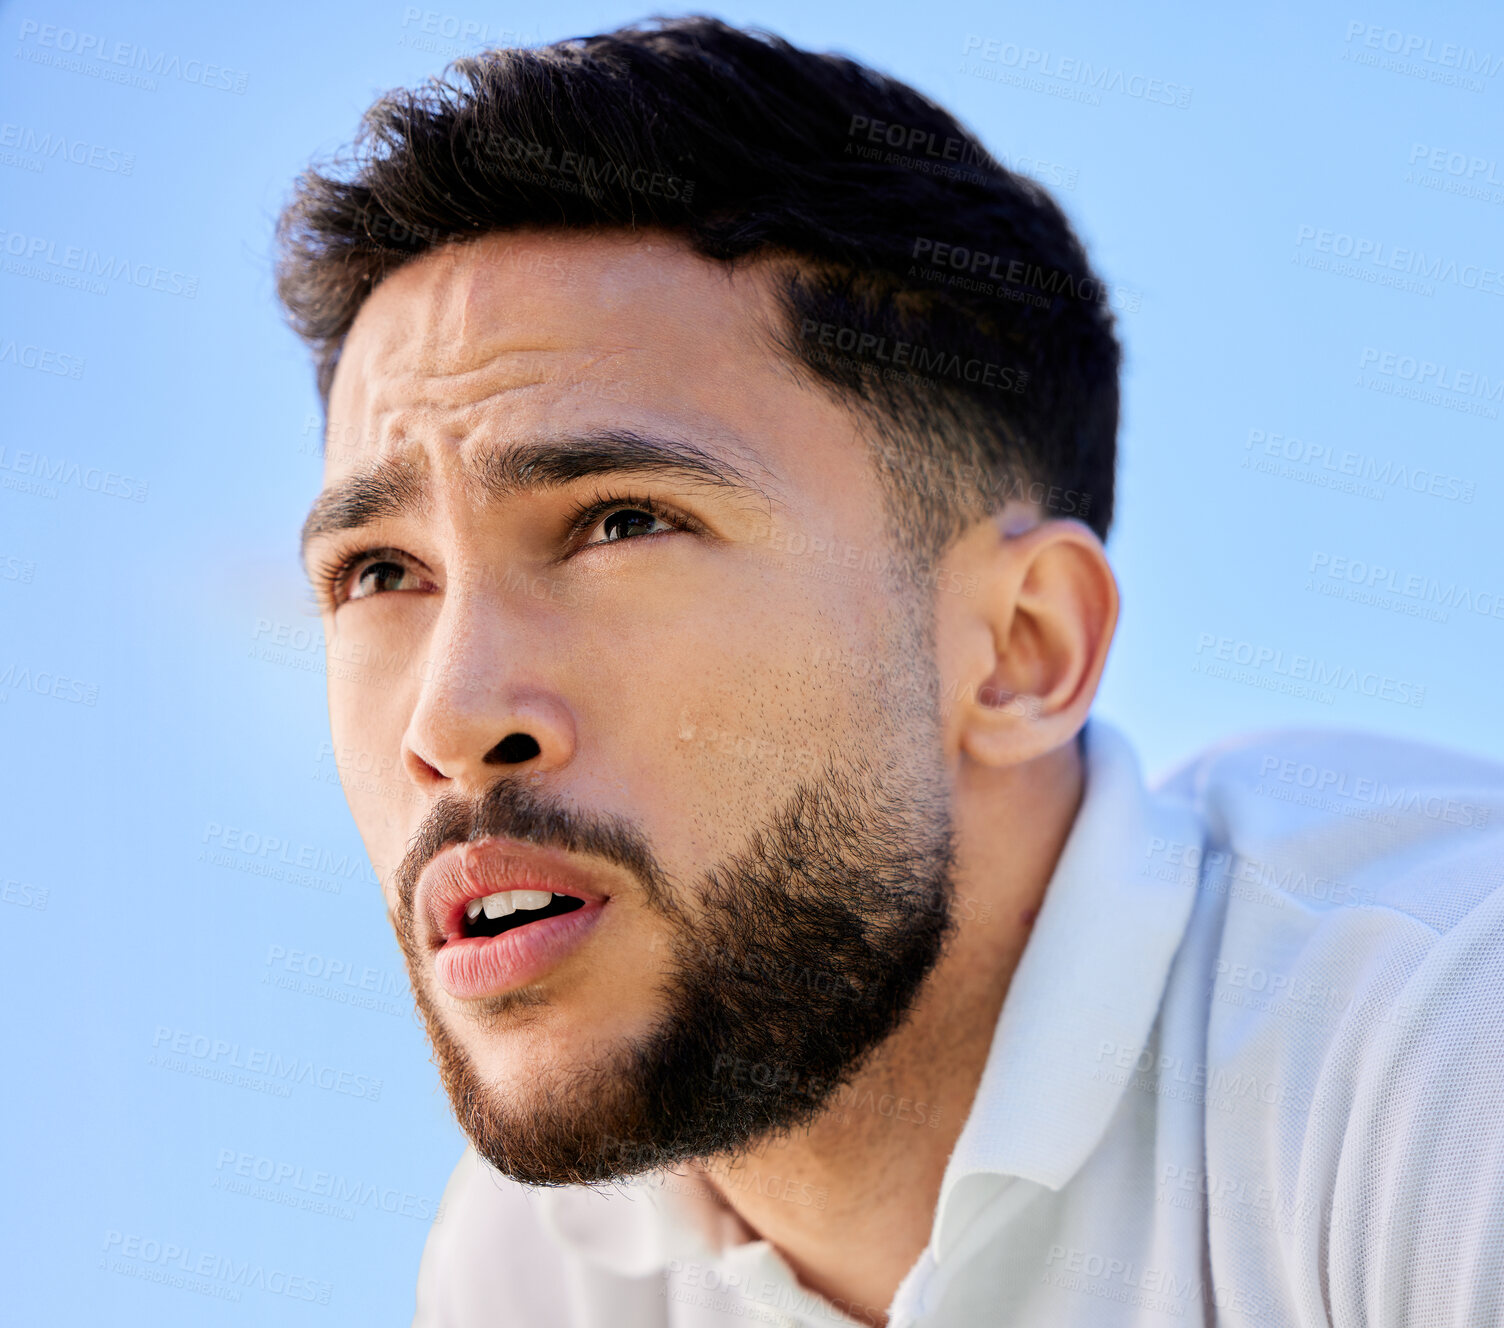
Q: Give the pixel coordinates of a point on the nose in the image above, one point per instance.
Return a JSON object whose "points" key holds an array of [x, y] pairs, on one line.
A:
{"points": [[486, 702]]}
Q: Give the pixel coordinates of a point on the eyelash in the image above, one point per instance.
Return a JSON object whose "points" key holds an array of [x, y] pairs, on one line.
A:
{"points": [[584, 515], [331, 573]]}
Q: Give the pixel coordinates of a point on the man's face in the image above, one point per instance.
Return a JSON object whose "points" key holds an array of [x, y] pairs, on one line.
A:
{"points": [[594, 602]]}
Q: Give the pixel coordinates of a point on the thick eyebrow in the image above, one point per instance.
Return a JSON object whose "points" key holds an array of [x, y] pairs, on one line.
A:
{"points": [[393, 487], [389, 488]]}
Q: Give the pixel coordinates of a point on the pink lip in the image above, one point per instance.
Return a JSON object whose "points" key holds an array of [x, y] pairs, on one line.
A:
{"points": [[470, 967]]}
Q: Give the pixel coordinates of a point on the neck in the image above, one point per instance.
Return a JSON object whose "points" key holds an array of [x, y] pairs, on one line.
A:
{"points": [[850, 1201]]}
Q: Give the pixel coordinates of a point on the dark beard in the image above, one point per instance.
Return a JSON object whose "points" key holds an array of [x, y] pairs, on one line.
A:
{"points": [[807, 949]]}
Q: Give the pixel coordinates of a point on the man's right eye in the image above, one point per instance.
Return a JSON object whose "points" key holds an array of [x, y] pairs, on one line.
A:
{"points": [[379, 576], [375, 572]]}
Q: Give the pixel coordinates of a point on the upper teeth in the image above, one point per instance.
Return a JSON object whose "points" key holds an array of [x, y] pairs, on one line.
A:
{"points": [[507, 901]]}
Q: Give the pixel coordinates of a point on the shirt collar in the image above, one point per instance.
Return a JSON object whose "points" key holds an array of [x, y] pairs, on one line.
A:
{"points": [[1088, 985]]}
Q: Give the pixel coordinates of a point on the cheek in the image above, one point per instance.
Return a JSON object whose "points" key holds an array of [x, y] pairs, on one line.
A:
{"points": [[368, 716], [708, 734], [376, 664]]}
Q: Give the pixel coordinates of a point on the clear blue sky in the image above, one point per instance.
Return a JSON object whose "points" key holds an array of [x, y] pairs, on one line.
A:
{"points": [[1321, 154]]}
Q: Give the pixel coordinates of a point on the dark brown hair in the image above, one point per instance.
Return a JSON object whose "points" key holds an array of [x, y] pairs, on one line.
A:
{"points": [[942, 297]]}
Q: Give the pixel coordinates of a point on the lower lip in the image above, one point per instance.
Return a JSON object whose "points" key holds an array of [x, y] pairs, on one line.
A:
{"points": [[472, 967]]}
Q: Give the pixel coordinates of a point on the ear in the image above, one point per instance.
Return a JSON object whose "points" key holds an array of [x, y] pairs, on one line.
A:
{"points": [[1021, 660]]}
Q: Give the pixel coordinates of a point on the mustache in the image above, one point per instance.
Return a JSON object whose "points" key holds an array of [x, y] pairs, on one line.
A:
{"points": [[513, 809]]}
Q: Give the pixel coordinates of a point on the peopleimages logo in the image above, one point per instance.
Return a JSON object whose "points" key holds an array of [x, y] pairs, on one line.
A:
{"points": [[219, 841], [451, 34], [39, 258], [1456, 163], [93, 53], [1214, 651], [1466, 391], [1216, 1080], [1427, 373], [205, 1272], [977, 265], [329, 972], [873, 351], [1161, 1290], [1369, 790], [1359, 574], [1415, 46], [170, 1047], [1345, 468], [1029, 60], [563, 168], [318, 1184], [915, 140], [53, 146], [50, 471], [42, 359], [1366, 253], [45, 682]]}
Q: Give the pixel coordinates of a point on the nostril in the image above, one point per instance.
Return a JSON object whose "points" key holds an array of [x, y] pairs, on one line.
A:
{"points": [[514, 749]]}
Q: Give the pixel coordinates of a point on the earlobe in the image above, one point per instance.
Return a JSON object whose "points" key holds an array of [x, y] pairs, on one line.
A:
{"points": [[1049, 603]]}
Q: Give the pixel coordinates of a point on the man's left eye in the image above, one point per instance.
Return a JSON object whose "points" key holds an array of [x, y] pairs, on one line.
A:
{"points": [[626, 522]]}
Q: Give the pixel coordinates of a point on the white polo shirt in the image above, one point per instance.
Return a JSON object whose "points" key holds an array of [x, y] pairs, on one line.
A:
{"points": [[1250, 1071]]}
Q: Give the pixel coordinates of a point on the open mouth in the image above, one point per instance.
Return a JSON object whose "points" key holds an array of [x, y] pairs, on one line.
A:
{"points": [[504, 915], [507, 910]]}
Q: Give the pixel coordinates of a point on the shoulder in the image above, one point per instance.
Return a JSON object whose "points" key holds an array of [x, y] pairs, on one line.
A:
{"points": [[1352, 901], [1420, 1178], [1344, 881], [1331, 819], [1326, 769]]}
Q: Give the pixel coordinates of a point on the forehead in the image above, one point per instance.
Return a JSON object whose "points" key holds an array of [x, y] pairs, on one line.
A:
{"points": [[520, 334]]}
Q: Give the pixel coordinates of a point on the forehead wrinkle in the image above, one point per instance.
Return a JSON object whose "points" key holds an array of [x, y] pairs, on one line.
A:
{"points": [[471, 311], [497, 457], [427, 390]]}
